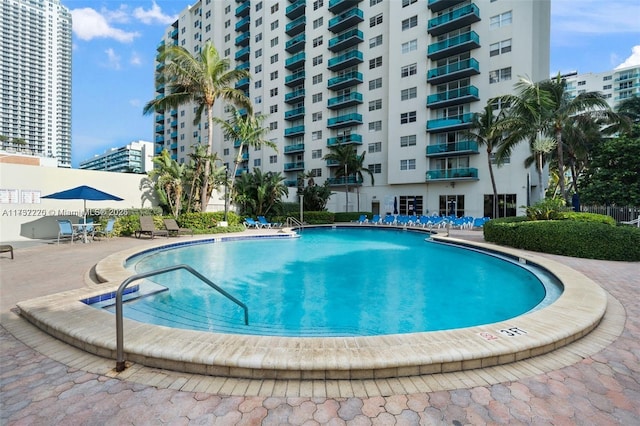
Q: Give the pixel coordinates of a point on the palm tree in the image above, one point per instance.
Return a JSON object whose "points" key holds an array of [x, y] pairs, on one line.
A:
{"points": [[258, 193], [629, 111], [358, 168], [345, 157], [194, 174], [486, 132], [200, 80], [168, 175]]}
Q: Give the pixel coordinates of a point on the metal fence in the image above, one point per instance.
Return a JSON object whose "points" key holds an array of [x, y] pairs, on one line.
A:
{"points": [[619, 213]]}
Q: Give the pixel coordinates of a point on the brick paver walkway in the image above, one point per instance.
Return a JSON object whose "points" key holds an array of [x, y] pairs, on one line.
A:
{"points": [[602, 389]]}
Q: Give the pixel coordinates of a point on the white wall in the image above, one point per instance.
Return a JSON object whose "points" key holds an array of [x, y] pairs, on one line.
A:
{"points": [[22, 220]]}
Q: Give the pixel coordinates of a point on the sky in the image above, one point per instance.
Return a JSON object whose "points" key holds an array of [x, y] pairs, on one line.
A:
{"points": [[114, 47]]}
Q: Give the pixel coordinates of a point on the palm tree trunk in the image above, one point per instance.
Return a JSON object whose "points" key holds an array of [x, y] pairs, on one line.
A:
{"points": [[563, 193], [541, 188], [493, 185], [204, 192]]}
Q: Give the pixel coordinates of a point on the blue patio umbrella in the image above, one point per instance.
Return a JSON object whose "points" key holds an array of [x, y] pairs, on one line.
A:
{"points": [[83, 193]]}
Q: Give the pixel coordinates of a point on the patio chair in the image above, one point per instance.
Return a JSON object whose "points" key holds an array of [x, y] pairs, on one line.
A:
{"points": [[147, 227], [174, 229], [107, 231], [264, 222], [389, 220], [6, 248], [376, 220], [250, 223], [88, 230], [66, 230], [362, 219]]}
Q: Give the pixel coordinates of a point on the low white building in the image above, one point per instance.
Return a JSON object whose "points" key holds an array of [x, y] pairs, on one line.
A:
{"points": [[135, 157], [616, 85]]}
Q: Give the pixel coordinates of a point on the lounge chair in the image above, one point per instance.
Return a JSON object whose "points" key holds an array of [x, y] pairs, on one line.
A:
{"points": [[66, 230], [389, 220], [107, 231], [264, 222], [147, 227], [6, 248], [250, 223], [376, 220], [362, 219], [174, 229]]}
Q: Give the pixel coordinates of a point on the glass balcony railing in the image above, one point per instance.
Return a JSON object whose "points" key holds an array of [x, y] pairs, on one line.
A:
{"points": [[338, 6], [353, 98], [454, 45], [295, 61], [243, 24], [294, 131], [457, 18], [346, 20], [296, 27], [242, 54], [460, 147], [345, 40], [467, 173], [345, 80], [243, 9], [452, 97], [243, 39], [344, 61], [299, 165], [450, 123], [290, 149], [294, 113], [352, 138], [350, 180], [345, 120], [295, 78], [295, 44], [438, 5], [294, 96], [296, 9], [454, 71]]}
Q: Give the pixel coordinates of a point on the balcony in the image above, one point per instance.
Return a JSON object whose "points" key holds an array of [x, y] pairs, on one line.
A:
{"points": [[344, 120], [174, 145], [174, 33], [450, 123], [457, 18], [243, 39], [243, 9], [345, 40], [160, 66], [467, 173], [346, 20], [296, 10], [174, 123], [159, 118], [296, 44], [453, 148], [291, 183], [293, 149], [339, 6], [353, 98], [453, 46], [244, 157], [160, 46], [290, 167], [333, 163], [160, 129], [294, 28], [159, 149], [351, 139], [241, 170], [345, 61], [294, 97], [343, 81], [243, 24], [174, 113], [242, 84], [159, 139], [237, 143], [244, 66], [243, 55], [295, 79], [453, 71], [296, 61], [294, 114], [453, 97], [294, 131], [350, 180], [438, 5]]}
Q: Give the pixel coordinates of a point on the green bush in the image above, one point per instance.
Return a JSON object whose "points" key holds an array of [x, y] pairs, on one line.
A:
{"points": [[576, 238], [319, 218], [547, 209], [588, 217], [350, 216]]}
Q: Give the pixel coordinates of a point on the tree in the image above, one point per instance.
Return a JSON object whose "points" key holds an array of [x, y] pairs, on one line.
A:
{"points": [[629, 110], [195, 173], [612, 177], [358, 168], [259, 193], [486, 132], [345, 157], [200, 80], [168, 176]]}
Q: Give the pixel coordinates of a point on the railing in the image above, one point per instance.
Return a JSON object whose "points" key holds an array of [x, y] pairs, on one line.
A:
{"points": [[120, 361], [619, 213], [292, 222]]}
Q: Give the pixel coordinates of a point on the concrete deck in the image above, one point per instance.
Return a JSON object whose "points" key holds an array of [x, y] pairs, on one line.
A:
{"points": [[595, 380]]}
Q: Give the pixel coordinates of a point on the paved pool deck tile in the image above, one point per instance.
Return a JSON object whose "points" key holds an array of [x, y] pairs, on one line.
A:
{"points": [[593, 381]]}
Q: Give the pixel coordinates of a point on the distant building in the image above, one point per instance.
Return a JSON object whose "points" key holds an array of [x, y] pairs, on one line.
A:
{"points": [[35, 71], [132, 158], [616, 85]]}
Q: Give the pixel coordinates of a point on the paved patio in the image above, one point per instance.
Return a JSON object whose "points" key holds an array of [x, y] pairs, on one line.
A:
{"points": [[595, 381]]}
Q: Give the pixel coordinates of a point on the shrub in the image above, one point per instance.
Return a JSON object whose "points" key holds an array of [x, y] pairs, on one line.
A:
{"points": [[319, 218], [350, 216], [547, 209], [588, 217]]}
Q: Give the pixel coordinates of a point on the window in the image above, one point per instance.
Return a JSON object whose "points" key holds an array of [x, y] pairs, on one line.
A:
{"points": [[375, 126], [258, 53], [258, 6], [375, 41], [317, 23], [257, 84], [507, 205], [273, 159], [317, 41], [410, 93], [258, 99], [274, 58], [607, 78], [226, 37], [274, 25], [225, 151], [258, 69], [317, 4], [582, 83], [273, 125], [317, 135], [273, 109], [273, 92], [258, 37], [273, 75], [500, 47], [409, 140], [409, 23], [408, 70], [227, 52], [606, 87], [274, 8], [501, 20], [375, 147], [317, 79], [316, 98], [375, 168], [258, 22], [375, 84], [375, 62], [497, 76], [316, 172], [257, 162], [408, 164], [374, 2], [375, 105], [376, 20], [316, 116], [407, 117], [316, 153], [410, 46], [274, 42], [317, 60], [406, 3]]}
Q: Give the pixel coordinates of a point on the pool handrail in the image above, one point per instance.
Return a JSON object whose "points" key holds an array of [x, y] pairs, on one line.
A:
{"points": [[120, 361]]}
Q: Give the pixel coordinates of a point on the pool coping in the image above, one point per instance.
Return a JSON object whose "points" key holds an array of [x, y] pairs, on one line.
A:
{"points": [[578, 310]]}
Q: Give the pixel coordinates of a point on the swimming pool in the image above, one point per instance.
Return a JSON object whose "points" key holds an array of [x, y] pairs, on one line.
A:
{"points": [[338, 282]]}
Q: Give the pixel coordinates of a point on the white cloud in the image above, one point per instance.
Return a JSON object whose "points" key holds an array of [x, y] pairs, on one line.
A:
{"points": [[633, 60], [595, 16], [89, 24], [135, 59], [153, 15], [136, 103], [120, 15], [113, 60]]}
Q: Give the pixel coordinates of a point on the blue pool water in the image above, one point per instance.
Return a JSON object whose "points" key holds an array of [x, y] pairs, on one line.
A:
{"points": [[336, 282]]}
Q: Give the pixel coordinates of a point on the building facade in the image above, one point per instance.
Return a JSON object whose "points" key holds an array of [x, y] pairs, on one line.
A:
{"points": [[616, 85], [35, 72], [398, 79], [135, 157]]}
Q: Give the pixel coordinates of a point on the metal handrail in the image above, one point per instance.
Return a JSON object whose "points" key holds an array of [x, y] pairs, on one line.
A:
{"points": [[120, 362], [293, 222]]}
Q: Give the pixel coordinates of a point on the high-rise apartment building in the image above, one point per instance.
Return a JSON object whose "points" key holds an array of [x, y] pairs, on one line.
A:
{"points": [[398, 79], [35, 73], [615, 85], [135, 157]]}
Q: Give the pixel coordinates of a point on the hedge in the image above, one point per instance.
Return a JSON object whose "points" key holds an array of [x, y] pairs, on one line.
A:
{"points": [[351, 216], [576, 238]]}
